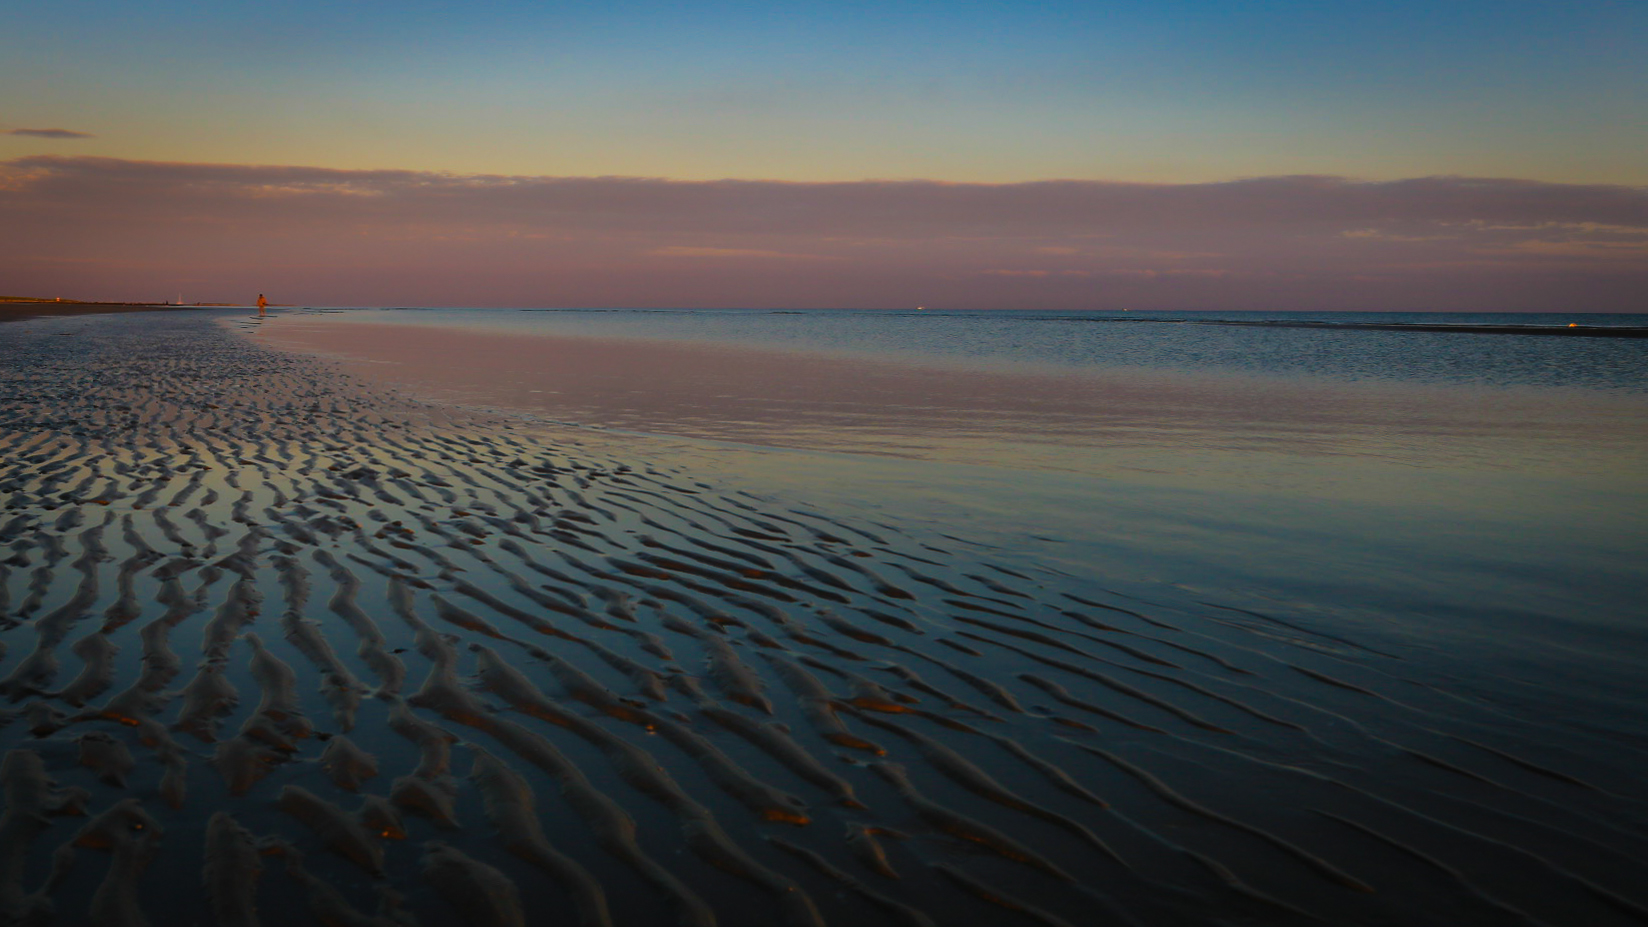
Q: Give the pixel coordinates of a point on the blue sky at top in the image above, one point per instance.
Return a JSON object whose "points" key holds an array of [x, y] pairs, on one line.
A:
{"points": [[1182, 91]]}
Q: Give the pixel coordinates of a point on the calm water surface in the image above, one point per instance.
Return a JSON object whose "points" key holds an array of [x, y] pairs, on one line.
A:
{"points": [[1446, 490]]}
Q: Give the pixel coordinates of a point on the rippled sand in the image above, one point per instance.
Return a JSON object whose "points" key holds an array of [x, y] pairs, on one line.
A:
{"points": [[282, 649]]}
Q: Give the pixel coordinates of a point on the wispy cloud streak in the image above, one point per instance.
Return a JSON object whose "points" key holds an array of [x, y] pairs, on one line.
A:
{"points": [[383, 236], [50, 133]]}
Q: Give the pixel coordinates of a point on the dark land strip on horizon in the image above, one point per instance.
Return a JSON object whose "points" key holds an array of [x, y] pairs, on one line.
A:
{"points": [[18, 308]]}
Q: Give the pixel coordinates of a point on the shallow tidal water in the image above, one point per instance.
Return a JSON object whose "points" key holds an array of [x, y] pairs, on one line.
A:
{"points": [[331, 637], [1487, 488]]}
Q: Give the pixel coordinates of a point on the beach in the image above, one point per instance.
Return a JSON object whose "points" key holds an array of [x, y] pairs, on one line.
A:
{"points": [[322, 648], [14, 310]]}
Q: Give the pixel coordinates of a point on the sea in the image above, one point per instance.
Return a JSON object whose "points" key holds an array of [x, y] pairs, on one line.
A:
{"points": [[925, 617], [1467, 490]]}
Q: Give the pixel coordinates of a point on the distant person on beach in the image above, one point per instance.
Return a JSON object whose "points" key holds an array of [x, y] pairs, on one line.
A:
{"points": [[263, 304]]}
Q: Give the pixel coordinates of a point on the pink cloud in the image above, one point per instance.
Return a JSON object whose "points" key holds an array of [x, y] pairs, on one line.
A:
{"points": [[402, 237]]}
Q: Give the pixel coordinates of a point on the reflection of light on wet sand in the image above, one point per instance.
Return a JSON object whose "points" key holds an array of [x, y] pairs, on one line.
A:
{"points": [[1180, 428], [1476, 497]]}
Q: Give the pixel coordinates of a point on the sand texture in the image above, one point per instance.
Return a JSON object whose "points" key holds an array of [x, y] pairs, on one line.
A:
{"points": [[16, 310], [278, 648]]}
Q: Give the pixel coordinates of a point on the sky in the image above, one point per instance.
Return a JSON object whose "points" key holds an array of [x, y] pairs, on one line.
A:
{"points": [[842, 154]]}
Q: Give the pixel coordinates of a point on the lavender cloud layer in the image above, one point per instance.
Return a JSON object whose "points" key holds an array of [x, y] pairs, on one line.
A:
{"points": [[109, 228]]}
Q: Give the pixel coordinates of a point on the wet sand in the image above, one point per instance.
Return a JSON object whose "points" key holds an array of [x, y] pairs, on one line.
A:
{"points": [[280, 647], [20, 310]]}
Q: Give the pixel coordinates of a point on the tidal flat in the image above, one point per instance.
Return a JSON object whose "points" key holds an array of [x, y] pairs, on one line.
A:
{"points": [[280, 644]]}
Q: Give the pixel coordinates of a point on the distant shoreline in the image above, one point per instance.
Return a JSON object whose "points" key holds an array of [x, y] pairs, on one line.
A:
{"points": [[17, 308]]}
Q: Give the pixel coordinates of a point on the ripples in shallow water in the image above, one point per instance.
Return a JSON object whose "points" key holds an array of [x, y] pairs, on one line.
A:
{"points": [[334, 652]]}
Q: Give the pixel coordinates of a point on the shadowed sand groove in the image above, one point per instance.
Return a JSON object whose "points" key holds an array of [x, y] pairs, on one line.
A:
{"points": [[278, 648]]}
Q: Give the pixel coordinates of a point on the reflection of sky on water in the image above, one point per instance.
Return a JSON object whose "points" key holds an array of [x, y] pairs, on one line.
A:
{"points": [[1439, 513], [1177, 424], [1132, 341]]}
